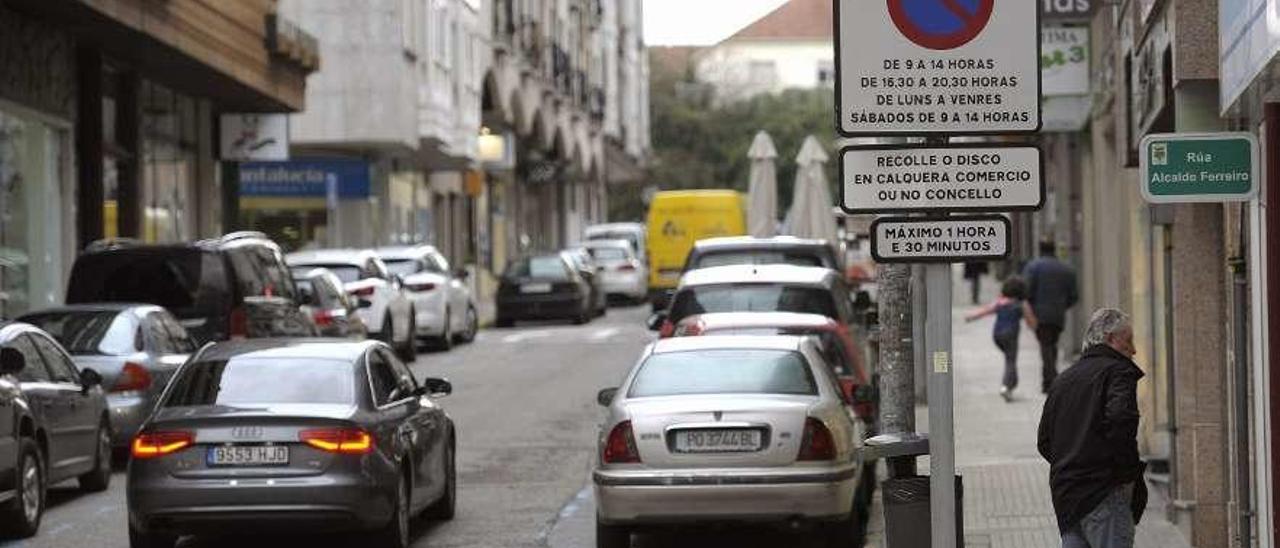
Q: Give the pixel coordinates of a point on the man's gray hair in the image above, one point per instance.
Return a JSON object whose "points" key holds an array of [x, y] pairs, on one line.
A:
{"points": [[1104, 323]]}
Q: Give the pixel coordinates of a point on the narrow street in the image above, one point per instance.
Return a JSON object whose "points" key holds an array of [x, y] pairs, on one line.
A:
{"points": [[524, 405]]}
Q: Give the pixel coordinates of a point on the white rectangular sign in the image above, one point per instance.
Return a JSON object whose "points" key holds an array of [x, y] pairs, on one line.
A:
{"points": [[937, 67], [951, 240], [255, 137], [1064, 61], [904, 178]]}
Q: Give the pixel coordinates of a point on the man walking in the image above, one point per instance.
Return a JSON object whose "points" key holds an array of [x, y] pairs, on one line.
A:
{"points": [[1088, 433], [1051, 290]]}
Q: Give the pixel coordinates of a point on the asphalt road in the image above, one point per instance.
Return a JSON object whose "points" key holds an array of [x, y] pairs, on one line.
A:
{"points": [[524, 405]]}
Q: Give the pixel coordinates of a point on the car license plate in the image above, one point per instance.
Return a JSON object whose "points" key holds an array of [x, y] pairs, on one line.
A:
{"points": [[717, 441], [248, 455], [535, 288]]}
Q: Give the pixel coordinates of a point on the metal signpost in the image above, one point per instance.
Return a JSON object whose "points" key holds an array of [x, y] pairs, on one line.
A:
{"points": [[939, 68]]}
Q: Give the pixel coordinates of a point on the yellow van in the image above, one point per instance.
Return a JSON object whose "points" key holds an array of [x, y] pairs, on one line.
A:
{"points": [[679, 218]]}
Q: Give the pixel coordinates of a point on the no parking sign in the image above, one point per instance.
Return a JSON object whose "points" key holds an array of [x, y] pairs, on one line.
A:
{"points": [[919, 67]]}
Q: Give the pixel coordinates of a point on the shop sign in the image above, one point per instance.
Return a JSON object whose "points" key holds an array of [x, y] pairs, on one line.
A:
{"points": [[949, 240], [972, 177], [1064, 61], [1199, 167], [255, 137], [920, 67], [306, 178], [1080, 10]]}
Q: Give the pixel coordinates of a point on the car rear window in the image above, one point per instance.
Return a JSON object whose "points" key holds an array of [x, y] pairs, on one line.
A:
{"points": [[260, 272], [752, 298], [759, 257], [345, 272], [724, 372], [265, 381], [551, 267], [403, 267], [188, 282], [607, 253], [628, 236], [101, 332]]}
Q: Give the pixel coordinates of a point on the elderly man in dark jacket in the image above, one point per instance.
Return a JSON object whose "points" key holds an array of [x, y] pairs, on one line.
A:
{"points": [[1088, 433], [1051, 290]]}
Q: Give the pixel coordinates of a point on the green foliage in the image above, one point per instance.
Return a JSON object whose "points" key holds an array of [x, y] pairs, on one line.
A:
{"points": [[698, 144]]}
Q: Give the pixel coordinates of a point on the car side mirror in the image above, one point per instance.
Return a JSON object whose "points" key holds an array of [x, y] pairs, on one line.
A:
{"points": [[605, 397], [655, 321], [89, 379], [436, 388], [11, 361]]}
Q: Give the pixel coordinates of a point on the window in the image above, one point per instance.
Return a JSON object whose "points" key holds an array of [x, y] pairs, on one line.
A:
{"points": [[549, 267], [249, 380], [382, 379], [56, 361], [762, 72], [752, 298], [157, 337], [109, 333], [35, 369], [757, 257], [33, 164], [169, 163], [724, 372], [406, 385], [179, 338]]}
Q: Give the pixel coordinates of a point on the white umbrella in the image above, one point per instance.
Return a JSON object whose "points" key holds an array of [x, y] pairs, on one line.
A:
{"points": [[762, 196], [810, 215]]}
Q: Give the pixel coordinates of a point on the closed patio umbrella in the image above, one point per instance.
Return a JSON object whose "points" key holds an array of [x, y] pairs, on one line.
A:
{"points": [[762, 194], [811, 214]]}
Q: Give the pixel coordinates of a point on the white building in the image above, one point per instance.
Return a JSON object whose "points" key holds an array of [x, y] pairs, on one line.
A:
{"points": [[788, 48]]}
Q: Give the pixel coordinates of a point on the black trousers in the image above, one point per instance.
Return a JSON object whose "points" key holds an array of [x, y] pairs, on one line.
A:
{"points": [[1008, 344], [1048, 336]]}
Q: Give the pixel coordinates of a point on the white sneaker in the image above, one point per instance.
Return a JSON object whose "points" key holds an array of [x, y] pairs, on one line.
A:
{"points": [[1006, 393]]}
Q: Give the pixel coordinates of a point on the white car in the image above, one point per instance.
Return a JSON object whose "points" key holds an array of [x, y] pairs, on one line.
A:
{"points": [[384, 306], [623, 274], [633, 233], [445, 307], [731, 429]]}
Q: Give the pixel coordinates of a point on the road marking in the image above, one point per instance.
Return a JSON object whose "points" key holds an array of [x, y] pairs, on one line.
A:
{"points": [[525, 335], [605, 334]]}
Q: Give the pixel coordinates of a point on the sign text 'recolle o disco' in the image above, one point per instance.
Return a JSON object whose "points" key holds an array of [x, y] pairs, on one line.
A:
{"points": [[899, 179]]}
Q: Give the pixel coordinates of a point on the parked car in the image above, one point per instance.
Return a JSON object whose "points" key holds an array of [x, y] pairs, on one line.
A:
{"points": [[633, 233], [624, 275], [234, 286], [325, 298], [679, 218], [135, 348], [729, 429], [764, 288], [383, 304], [591, 271], [446, 309], [54, 426], [320, 435], [842, 353], [746, 250], [545, 286]]}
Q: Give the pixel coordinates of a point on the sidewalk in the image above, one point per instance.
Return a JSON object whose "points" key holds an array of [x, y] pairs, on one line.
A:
{"points": [[1006, 483]]}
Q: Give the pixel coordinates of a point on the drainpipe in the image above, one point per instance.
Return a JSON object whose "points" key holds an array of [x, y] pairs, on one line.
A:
{"points": [[1240, 349]]}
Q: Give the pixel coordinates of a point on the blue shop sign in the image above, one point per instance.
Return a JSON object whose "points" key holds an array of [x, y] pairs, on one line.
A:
{"points": [[307, 177]]}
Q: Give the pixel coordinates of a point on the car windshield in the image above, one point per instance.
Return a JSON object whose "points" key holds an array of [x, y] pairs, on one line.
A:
{"points": [[345, 272], [188, 282], [752, 298], [724, 372], [402, 267], [550, 267], [628, 236], [608, 253], [263, 381], [101, 332], [757, 257]]}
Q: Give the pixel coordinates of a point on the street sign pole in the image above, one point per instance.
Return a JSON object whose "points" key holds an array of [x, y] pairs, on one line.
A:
{"points": [[942, 451]]}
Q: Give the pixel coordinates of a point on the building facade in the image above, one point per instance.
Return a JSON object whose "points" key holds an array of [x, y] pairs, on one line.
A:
{"points": [[788, 48]]}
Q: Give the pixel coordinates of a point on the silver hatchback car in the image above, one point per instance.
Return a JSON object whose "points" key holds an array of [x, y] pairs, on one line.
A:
{"points": [[730, 429], [300, 435]]}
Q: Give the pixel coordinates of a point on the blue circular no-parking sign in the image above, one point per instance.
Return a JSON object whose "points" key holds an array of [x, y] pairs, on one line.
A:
{"points": [[941, 24]]}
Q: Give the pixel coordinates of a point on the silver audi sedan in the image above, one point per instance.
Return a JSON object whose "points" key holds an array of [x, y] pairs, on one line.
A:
{"points": [[305, 435], [729, 429]]}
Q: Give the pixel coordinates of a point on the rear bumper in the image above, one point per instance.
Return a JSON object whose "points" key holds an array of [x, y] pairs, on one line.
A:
{"points": [[429, 313], [529, 308], [655, 499], [324, 503], [634, 286]]}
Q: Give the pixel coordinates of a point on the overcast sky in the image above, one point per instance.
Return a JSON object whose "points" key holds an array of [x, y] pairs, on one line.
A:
{"points": [[699, 22]]}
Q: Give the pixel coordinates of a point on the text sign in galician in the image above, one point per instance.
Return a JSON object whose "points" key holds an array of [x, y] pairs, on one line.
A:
{"points": [[906, 178], [915, 67], [949, 240], [1199, 167]]}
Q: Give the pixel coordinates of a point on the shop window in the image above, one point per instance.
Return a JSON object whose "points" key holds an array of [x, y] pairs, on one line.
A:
{"points": [[169, 160], [32, 169]]}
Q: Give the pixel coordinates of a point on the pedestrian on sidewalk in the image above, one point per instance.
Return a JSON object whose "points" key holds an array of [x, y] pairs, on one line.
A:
{"points": [[1010, 310], [1088, 433], [1051, 288], [973, 271]]}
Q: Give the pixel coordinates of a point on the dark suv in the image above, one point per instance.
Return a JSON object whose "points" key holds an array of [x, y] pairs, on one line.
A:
{"points": [[234, 286]]}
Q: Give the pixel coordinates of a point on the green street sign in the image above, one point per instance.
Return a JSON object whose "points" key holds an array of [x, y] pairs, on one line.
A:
{"points": [[1199, 167]]}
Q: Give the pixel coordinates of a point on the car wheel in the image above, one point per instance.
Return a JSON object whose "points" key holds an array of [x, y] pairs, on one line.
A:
{"points": [[582, 317], [395, 534], [473, 326], [445, 341], [21, 515], [444, 508], [99, 479], [847, 532], [409, 350], [143, 539], [612, 536], [387, 335]]}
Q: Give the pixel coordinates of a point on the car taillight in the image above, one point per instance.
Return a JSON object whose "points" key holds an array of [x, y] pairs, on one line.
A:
{"points": [[133, 377], [817, 443], [323, 318], [350, 441], [626, 267], [238, 323], [157, 444], [363, 291], [425, 286], [621, 445]]}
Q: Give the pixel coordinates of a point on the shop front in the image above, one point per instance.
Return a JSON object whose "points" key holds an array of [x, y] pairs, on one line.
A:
{"points": [[304, 202]]}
